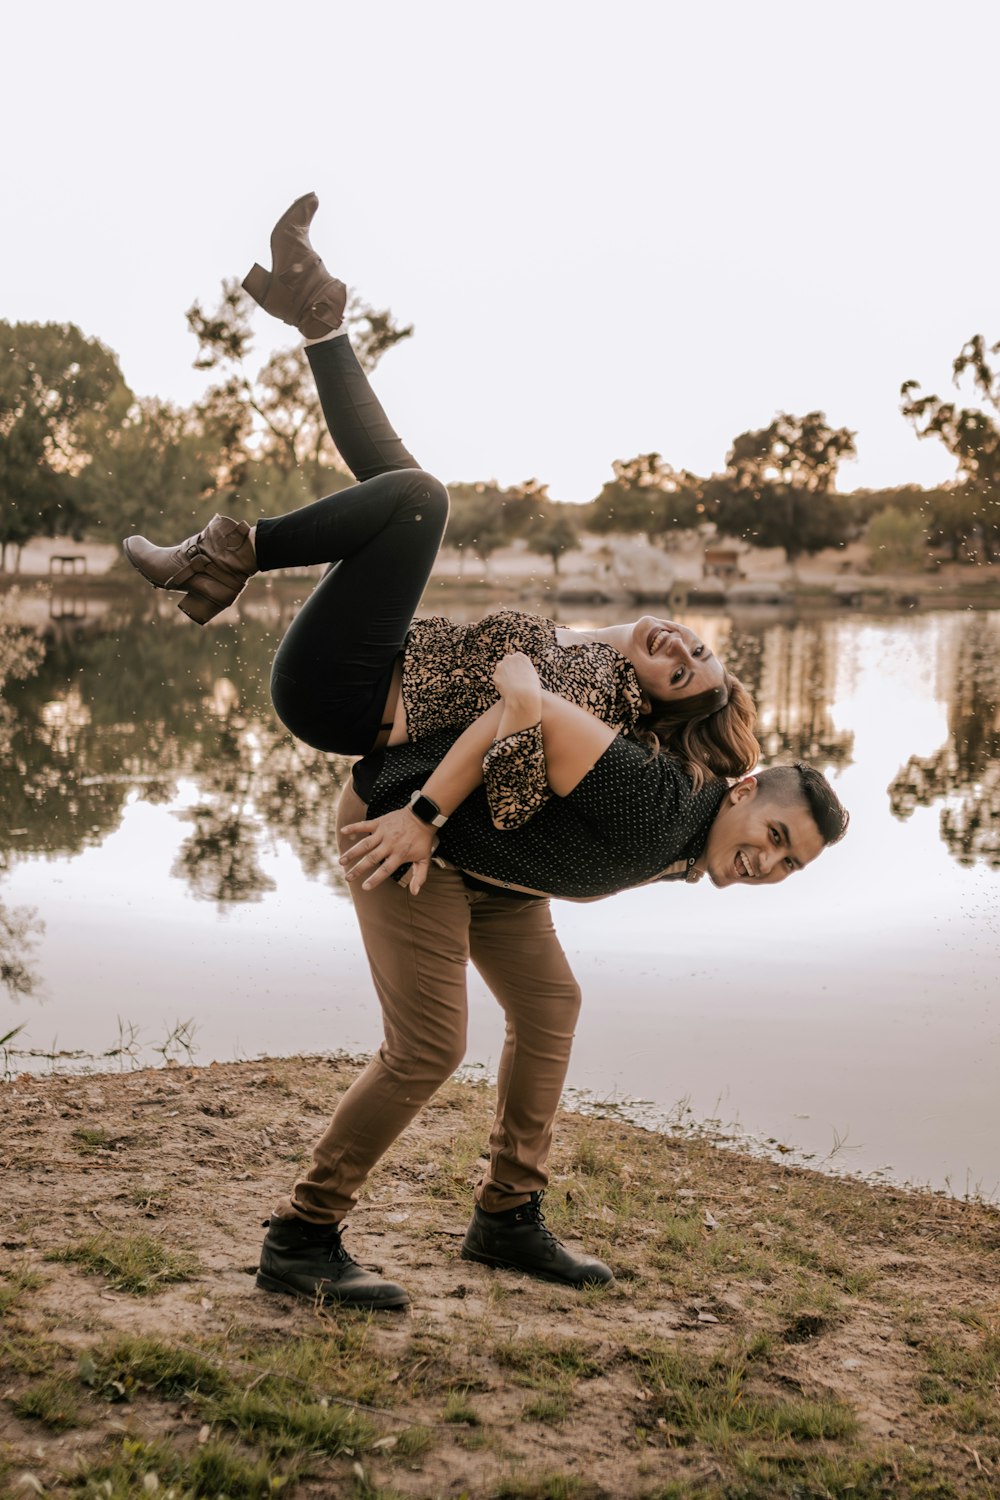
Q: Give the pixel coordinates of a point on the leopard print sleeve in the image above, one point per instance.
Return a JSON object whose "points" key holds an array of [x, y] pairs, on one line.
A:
{"points": [[515, 778]]}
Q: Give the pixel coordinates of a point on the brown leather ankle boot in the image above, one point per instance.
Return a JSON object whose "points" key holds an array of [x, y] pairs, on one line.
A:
{"points": [[211, 568], [298, 289]]}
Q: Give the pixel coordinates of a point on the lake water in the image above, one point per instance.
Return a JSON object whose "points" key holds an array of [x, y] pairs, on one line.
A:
{"points": [[168, 884]]}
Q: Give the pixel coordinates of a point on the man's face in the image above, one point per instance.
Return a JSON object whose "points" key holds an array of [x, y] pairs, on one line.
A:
{"points": [[756, 840]]}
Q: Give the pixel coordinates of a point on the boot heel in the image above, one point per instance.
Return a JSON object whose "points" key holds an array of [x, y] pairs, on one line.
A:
{"points": [[201, 610], [258, 284]]}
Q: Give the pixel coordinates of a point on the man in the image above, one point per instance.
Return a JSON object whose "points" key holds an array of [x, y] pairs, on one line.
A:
{"points": [[619, 818]]}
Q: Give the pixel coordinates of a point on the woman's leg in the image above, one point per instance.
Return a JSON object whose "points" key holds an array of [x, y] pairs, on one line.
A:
{"points": [[332, 671], [363, 434]]}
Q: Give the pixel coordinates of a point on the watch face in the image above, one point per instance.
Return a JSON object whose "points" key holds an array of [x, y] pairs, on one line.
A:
{"points": [[426, 810]]}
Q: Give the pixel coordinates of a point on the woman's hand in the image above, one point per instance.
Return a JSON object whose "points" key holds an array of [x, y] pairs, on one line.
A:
{"points": [[385, 843], [515, 678]]}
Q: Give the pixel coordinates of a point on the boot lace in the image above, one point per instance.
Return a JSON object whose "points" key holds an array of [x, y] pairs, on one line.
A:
{"points": [[534, 1215], [335, 1251]]}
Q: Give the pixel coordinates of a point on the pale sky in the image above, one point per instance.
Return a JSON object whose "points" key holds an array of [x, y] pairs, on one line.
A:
{"points": [[618, 227]]}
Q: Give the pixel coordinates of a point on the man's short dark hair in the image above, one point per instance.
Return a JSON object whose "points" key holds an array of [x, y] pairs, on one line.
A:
{"points": [[802, 783]]}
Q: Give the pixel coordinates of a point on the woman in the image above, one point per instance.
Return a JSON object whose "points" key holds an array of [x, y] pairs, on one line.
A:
{"points": [[355, 671]]}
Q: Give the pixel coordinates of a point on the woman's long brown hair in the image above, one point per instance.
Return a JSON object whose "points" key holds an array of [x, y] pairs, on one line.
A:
{"points": [[710, 733]]}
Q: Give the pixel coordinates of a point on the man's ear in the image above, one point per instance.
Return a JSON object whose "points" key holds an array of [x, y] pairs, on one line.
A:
{"points": [[745, 790]]}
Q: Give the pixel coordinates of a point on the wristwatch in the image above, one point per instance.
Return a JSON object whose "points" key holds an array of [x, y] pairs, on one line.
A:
{"points": [[427, 810]]}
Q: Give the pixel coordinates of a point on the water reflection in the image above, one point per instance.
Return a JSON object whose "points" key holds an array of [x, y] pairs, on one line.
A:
{"points": [[91, 713], [965, 772], [148, 789], [136, 702], [791, 675]]}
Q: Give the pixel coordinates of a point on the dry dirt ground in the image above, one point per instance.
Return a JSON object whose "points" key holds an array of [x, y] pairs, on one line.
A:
{"points": [[772, 1332]]}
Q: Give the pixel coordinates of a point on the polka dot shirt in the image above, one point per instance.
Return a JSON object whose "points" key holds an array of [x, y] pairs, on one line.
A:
{"points": [[626, 822]]}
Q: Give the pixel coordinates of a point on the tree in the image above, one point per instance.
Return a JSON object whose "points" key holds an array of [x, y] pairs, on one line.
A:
{"points": [[554, 533], [897, 538], [271, 423], [648, 496], [154, 472], [59, 392], [777, 490], [971, 435], [476, 521]]}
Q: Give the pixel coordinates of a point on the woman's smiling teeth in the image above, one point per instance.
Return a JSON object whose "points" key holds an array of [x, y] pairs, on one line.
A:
{"points": [[656, 639], [743, 865]]}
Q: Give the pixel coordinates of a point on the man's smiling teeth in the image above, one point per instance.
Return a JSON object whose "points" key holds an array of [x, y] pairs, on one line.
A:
{"points": [[745, 863]]}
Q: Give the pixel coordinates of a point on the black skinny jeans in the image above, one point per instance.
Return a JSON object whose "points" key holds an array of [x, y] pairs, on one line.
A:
{"points": [[333, 670]]}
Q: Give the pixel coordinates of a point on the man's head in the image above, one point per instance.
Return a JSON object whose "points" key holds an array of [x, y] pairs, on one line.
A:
{"points": [[772, 824]]}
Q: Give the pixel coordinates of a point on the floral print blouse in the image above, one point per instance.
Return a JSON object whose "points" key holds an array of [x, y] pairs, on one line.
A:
{"points": [[447, 682]]}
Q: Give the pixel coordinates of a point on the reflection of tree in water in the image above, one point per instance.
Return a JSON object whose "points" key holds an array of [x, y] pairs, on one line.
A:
{"points": [[148, 706], [966, 769], [790, 673], [744, 656], [261, 780], [20, 927]]}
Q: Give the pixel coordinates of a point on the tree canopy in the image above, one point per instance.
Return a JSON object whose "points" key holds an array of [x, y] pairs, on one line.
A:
{"points": [[60, 394], [777, 487], [971, 434], [646, 495]]}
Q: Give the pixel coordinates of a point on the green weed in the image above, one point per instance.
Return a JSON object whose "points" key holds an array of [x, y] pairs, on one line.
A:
{"points": [[137, 1263], [706, 1398], [51, 1401], [543, 1362], [16, 1281]]}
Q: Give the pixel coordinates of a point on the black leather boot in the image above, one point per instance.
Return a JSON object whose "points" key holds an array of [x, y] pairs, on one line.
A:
{"points": [[518, 1240], [309, 1260]]}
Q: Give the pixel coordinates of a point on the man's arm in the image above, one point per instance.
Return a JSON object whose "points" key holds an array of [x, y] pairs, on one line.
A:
{"points": [[573, 738]]}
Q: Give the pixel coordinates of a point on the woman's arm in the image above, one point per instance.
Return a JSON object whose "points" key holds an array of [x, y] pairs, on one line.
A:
{"points": [[573, 738]]}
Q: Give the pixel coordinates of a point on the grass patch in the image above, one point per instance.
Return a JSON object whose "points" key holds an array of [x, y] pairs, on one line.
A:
{"points": [[285, 1424], [52, 1401], [458, 1410], [146, 1364], [889, 1475], [697, 1398], [217, 1468], [137, 1263], [24, 1352], [542, 1362], [340, 1361], [282, 1413], [16, 1281], [91, 1138], [963, 1378], [683, 1242], [413, 1441], [542, 1487], [546, 1408]]}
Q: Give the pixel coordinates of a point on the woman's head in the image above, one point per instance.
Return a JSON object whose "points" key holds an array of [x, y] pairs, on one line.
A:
{"points": [[670, 661], [709, 732]]}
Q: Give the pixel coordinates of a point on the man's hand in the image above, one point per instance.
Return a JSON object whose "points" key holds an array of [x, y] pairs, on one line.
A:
{"points": [[515, 678], [383, 844]]}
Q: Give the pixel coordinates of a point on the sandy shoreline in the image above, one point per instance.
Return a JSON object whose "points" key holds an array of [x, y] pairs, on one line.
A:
{"points": [[859, 1326]]}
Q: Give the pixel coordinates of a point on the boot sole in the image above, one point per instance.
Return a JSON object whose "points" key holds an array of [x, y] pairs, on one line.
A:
{"points": [[269, 1284], [497, 1264]]}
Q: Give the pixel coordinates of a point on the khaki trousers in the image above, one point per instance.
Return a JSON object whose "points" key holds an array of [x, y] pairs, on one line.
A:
{"points": [[419, 948]]}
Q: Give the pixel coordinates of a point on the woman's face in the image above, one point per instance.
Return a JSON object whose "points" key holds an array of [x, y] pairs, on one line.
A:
{"points": [[670, 661]]}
